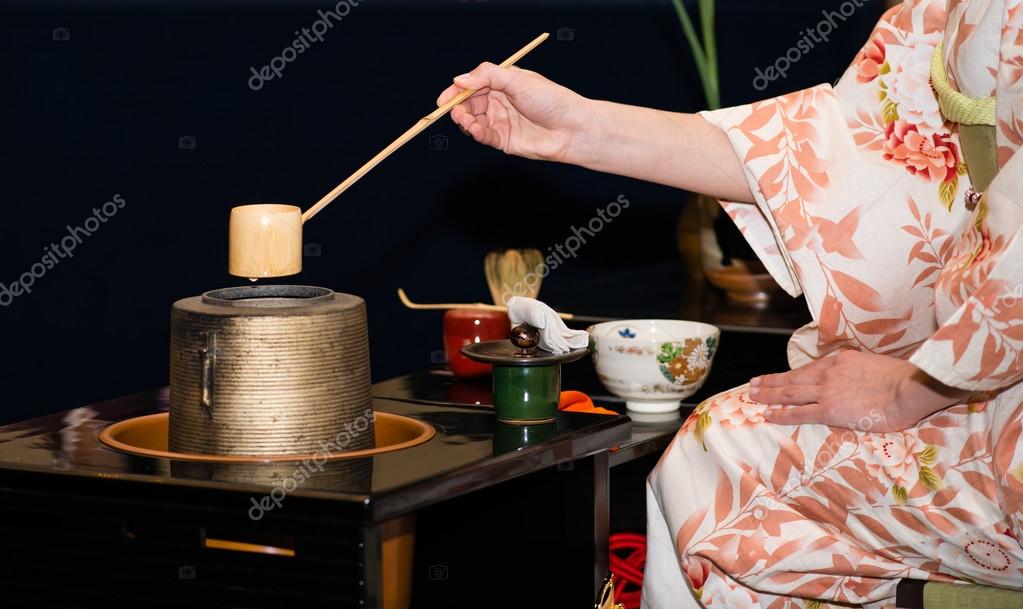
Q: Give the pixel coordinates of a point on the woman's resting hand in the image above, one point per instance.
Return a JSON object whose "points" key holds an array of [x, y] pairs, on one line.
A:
{"points": [[861, 391]]}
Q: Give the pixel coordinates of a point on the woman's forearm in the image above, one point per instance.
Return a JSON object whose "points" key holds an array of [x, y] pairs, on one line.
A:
{"points": [[680, 150]]}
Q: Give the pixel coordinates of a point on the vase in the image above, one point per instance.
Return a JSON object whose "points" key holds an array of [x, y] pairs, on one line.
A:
{"points": [[714, 250]]}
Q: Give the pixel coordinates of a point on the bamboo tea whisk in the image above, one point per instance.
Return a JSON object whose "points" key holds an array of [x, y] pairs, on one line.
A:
{"points": [[265, 240]]}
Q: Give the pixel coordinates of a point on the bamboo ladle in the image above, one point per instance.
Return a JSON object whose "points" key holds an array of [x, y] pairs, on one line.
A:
{"points": [[265, 240], [403, 297]]}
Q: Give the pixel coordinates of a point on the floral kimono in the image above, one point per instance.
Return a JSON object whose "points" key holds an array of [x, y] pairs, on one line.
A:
{"points": [[866, 204]]}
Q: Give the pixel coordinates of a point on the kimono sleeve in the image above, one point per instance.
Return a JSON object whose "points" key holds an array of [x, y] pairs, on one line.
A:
{"points": [[979, 347]]}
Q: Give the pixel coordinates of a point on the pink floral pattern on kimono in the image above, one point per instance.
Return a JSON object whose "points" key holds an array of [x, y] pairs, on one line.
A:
{"points": [[859, 207]]}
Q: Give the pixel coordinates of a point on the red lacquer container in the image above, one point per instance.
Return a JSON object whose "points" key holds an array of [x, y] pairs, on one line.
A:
{"points": [[466, 326]]}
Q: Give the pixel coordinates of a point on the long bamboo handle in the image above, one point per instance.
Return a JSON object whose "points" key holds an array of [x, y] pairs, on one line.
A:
{"points": [[466, 305], [423, 123]]}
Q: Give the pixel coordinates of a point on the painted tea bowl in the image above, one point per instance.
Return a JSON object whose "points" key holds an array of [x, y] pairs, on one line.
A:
{"points": [[653, 364]]}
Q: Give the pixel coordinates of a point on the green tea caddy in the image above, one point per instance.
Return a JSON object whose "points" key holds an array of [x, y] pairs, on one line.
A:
{"points": [[526, 378]]}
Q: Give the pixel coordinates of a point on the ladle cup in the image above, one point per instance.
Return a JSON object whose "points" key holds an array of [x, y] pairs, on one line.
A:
{"points": [[265, 241]]}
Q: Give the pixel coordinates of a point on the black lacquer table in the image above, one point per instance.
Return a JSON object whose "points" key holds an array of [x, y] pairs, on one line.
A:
{"points": [[81, 524], [647, 435]]}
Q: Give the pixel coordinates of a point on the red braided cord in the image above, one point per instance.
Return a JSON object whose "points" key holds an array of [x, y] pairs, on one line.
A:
{"points": [[628, 556]]}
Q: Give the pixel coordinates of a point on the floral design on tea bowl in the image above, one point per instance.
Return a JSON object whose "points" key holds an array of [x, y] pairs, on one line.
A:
{"points": [[686, 362]]}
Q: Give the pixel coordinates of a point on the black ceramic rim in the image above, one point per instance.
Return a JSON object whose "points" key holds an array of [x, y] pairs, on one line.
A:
{"points": [[268, 296]]}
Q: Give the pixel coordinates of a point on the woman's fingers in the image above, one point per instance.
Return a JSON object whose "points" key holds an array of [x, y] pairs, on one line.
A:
{"points": [[485, 76], [484, 135], [468, 113], [471, 114], [483, 79], [478, 126], [489, 75], [478, 103], [789, 394], [486, 118], [800, 386], [462, 117], [474, 106], [810, 374], [447, 94], [494, 115], [795, 415]]}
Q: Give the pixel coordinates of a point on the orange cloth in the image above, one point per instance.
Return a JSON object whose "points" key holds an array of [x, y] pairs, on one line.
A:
{"points": [[577, 401]]}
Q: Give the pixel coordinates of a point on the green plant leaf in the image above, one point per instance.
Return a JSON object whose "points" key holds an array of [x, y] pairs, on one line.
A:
{"points": [[711, 53], [708, 80]]}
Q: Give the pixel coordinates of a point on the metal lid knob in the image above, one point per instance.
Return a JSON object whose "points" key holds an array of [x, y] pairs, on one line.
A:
{"points": [[525, 336]]}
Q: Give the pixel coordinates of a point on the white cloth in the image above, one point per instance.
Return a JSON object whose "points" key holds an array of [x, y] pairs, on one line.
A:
{"points": [[555, 336]]}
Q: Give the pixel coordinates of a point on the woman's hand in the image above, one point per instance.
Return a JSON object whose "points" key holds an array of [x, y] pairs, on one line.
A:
{"points": [[518, 111], [861, 391]]}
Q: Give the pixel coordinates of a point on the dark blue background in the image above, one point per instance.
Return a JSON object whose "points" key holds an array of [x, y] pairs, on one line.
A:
{"points": [[102, 113]]}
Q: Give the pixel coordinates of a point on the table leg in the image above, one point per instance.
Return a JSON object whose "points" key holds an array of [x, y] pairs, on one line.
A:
{"points": [[601, 518]]}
